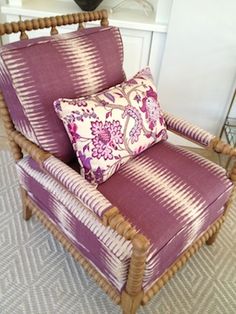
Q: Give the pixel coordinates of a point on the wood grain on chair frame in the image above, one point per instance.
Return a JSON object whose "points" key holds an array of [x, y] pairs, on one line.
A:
{"points": [[53, 22], [133, 294]]}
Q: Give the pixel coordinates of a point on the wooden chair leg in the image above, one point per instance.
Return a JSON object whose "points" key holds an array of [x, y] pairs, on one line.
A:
{"points": [[132, 295], [129, 303], [27, 213], [212, 239]]}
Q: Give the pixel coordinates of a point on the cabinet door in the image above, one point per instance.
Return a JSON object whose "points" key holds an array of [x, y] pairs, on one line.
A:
{"points": [[136, 50]]}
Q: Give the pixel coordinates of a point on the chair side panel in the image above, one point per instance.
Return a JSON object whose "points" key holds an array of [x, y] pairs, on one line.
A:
{"points": [[107, 250]]}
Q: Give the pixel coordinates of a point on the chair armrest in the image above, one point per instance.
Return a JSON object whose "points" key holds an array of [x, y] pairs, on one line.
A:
{"points": [[38, 154], [188, 130], [197, 135], [85, 192]]}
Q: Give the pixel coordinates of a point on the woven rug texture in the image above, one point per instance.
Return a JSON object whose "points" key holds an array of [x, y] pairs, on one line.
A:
{"points": [[37, 276]]}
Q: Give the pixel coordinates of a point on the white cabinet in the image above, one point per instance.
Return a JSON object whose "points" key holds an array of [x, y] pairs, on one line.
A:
{"points": [[136, 50]]}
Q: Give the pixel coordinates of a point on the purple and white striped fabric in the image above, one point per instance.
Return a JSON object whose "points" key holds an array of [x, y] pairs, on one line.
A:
{"points": [[35, 72], [77, 185], [108, 252], [159, 260], [188, 130], [169, 194]]}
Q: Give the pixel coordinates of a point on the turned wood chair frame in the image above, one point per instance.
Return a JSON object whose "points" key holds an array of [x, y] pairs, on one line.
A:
{"points": [[133, 295]]}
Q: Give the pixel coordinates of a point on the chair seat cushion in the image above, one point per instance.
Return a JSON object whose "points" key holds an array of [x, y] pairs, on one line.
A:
{"points": [[169, 194], [169, 187]]}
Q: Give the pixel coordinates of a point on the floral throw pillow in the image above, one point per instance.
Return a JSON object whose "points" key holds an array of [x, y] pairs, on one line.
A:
{"points": [[109, 128]]}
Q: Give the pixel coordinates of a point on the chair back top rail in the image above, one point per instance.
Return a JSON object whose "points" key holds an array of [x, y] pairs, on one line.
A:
{"points": [[53, 22]]}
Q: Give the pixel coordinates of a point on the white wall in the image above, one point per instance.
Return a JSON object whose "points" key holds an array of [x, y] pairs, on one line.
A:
{"points": [[2, 20], [199, 63]]}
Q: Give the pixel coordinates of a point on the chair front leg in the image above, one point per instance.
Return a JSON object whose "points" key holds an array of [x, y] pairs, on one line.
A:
{"points": [[27, 213], [132, 295]]}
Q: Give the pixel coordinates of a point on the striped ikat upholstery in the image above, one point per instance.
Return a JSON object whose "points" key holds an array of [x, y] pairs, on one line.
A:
{"points": [[188, 130], [172, 197], [35, 72], [77, 185], [108, 252]]}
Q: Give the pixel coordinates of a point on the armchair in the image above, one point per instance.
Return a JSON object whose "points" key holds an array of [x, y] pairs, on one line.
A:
{"points": [[134, 231]]}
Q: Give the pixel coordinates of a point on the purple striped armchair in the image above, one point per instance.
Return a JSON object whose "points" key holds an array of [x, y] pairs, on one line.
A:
{"points": [[134, 231]]}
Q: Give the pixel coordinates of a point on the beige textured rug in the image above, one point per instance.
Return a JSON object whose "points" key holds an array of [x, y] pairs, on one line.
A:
{"points": [[37, 276]]}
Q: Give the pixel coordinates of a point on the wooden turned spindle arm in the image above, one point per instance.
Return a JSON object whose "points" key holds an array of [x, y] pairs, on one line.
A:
{"points": [[232, 174], [197, 135], [117, 221], [38, 154], [221, 147]]}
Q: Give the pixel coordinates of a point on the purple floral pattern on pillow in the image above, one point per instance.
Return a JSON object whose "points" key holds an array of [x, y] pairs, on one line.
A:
{"points": [[109, 128], [150, 107], [138, 122], [107, 136]]}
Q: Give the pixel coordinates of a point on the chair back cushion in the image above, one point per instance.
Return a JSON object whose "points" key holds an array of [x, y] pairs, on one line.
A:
{"points": [[35, 72]]}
